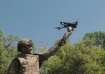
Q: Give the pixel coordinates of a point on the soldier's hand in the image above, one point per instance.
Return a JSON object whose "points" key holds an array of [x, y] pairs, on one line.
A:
{"points": [[70, 29]]}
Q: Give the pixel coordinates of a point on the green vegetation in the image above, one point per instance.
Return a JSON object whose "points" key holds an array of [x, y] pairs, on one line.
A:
{"points": [[7, 51], [86, 56]]}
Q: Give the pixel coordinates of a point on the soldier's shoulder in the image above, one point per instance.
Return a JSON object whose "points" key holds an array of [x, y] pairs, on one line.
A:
{"points": [[36, 54]]}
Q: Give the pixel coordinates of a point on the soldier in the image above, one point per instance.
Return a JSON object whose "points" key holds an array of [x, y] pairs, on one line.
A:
{"points": [[28, 63]]}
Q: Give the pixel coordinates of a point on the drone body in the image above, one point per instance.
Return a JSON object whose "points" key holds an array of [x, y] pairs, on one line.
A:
{"points": [[70, 26]]}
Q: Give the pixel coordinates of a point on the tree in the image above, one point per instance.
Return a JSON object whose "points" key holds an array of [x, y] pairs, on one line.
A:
{"points": [[7, 51], [83, 57], [98, 39]]}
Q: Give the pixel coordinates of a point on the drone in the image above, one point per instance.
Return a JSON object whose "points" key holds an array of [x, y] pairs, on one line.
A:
{"points": [[69, 25]]}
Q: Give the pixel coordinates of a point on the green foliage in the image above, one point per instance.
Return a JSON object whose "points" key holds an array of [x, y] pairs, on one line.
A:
{"points": [[7, 51], [85, 57], [79, 58], [98, 38]]}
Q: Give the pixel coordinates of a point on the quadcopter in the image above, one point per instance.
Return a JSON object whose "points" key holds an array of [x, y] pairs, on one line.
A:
{"points": [[69, 25]]}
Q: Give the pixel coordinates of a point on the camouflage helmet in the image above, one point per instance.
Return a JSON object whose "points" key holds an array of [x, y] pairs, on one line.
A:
{"points": [[25, 42]]}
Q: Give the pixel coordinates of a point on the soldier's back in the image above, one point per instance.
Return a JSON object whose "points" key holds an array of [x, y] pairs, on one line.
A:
{"points": [[29, 64], [25, 64]]}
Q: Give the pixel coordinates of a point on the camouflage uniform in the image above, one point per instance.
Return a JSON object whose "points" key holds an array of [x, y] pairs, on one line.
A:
{"points": [[30, 63]]}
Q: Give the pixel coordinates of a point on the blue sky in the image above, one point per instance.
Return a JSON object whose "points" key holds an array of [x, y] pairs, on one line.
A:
{"points": [[36, 19]]}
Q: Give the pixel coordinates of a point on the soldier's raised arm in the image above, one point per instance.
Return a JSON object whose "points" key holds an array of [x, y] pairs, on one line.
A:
{"points": [[44, 56], [70, 28], [57, 45]]}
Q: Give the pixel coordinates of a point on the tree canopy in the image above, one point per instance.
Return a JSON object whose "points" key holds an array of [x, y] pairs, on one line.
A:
{"points": [[86, 56]]}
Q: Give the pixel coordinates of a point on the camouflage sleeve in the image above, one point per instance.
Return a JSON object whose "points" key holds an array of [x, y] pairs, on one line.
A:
{"points": [[13, 67], [53, 49]]}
